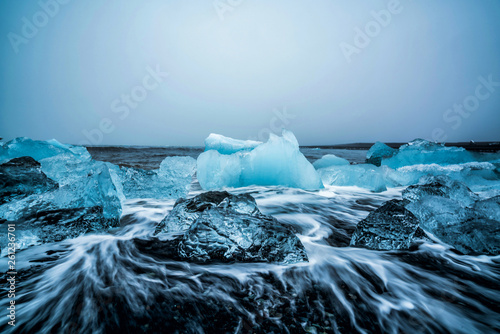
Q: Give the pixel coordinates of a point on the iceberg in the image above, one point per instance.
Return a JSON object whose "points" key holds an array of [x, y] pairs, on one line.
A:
{"points": [[225, 235], [23, 146], [62, 191], [171, 180], [378, 152], [276, 162], [226, 145], [455, 215], [186, 211], [390, 227], [217, 226], [330, 160], [420, 151], [364, 175], [21, 177]]}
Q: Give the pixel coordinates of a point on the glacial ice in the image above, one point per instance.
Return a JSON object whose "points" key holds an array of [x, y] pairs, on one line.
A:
{"points": [[226, 145], [420, 151], [219, 226], [225, 235], [377, 152], [330, 160], [186, 211], [20, 177], [455, 215], [23, 146], [171, 180], [70, 195], [363, 175], [276, 162], [390, 227]]}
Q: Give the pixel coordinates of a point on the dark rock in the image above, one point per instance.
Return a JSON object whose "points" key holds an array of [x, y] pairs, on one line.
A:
{"points": [[389, 227], [21, 177]]}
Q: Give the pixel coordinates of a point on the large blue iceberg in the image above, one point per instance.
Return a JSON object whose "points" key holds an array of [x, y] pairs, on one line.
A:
{"points": [[377, 152], [276, 162]]}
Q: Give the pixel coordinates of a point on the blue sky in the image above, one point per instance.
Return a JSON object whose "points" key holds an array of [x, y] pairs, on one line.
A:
{"points": [[171, 72]]}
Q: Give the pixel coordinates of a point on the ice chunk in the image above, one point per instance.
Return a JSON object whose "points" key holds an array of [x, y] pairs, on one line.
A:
{"points": [[225, 235], [449, 211], [186, 211], [94, 189], [22, 146], [226, 145], [330, 160], [171, 180], [85, 200], [420, 151], [21, 177], [441, 186], [389, 227], [276, 162], [379, 151], [364, 175]]}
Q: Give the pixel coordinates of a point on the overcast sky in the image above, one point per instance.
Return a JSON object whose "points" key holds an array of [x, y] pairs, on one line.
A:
{"points": [[336, 71]]}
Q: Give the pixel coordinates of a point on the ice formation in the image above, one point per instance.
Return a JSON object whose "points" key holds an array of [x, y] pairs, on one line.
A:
{"points": [[330, 160], [276, 162], [22, 146], [420, 151], [21, 177], [219, 226], [226, 145], [453, 214], [70, 195], [390, 227], [364, 175], [186, 211], [377, 152], [226, 235], [417, 160], [171, 180]]}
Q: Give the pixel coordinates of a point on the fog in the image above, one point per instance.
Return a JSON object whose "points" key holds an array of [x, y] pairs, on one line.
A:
{"points": [[171, 72]]}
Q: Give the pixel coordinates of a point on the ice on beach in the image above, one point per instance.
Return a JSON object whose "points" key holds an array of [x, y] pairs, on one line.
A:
{"points": [[379, 151], [171, 180], [390, 227], [226, 145], [364, 175], [23, 146], [21, 177], [420, 151], [276, 162], [330, 160], [454, 214]]}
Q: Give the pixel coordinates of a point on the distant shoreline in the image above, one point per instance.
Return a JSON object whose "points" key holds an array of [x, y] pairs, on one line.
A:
{"points": [[477, 147]]}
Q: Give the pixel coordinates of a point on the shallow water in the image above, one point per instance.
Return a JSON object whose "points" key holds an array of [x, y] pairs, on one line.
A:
{"points": [[108, 283]]}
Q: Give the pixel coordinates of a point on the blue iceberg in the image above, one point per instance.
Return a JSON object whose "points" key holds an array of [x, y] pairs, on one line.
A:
{"points": [[330, 160], [23, 146], [378, 152], [276, 162], [420, 151], [171, 180]]}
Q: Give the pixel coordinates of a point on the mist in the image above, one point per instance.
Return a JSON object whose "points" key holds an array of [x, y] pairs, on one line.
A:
{"points": [[172, 72]]}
